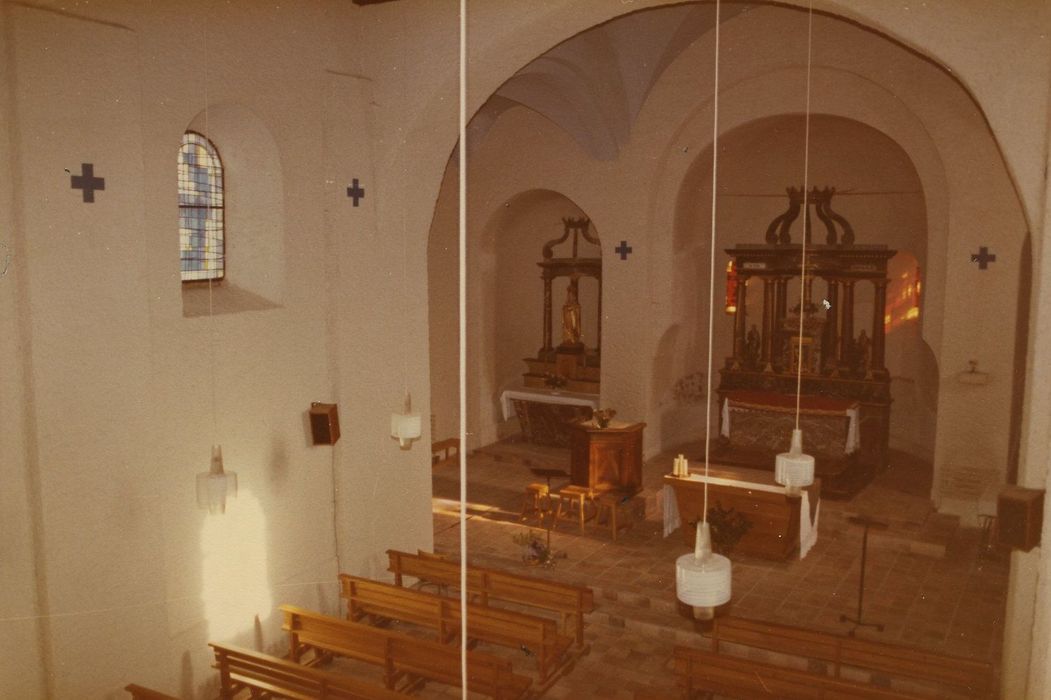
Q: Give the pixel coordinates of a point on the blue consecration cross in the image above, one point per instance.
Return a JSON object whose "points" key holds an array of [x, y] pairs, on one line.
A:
{"points": [[983, 257], [355, 191], [87, 182], [622, 250]]}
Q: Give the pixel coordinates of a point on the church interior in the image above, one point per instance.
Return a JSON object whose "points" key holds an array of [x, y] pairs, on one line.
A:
{"points": [[335, 362]]}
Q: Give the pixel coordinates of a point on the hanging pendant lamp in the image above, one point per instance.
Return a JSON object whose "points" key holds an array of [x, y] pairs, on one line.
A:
{"points": [[215, 485], [405, 427], [703, 579], [794, 469]]}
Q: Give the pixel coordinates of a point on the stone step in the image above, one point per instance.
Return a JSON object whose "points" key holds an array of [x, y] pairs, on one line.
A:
{"points": [[930, 537]]}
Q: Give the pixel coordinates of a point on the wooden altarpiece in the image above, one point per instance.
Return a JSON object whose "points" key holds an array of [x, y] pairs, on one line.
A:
{"points": [[841, 372], [570, 365]]}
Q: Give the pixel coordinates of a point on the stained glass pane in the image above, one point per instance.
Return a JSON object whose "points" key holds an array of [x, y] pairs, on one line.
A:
{"points": [[201, 237]]}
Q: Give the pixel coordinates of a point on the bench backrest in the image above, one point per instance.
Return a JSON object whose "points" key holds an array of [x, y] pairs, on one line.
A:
{"points": [[494, 584], [966, 674], [696, 669], [489, 624], [287, 679], [486, 673]]}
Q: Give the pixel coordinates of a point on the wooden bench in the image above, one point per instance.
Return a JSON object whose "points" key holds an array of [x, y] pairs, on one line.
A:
{"points": [[486, 624], [241, 668], [969, 677], [486, 585], [732, 676], [399, 655], [138, 692], [444, 452]]}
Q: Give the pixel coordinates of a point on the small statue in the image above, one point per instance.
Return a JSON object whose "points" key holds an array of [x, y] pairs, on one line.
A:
{"points": [[751, 347], [571, 317]]}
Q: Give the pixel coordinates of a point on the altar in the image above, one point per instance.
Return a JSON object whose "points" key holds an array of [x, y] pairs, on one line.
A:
{"points": [[784, 343], [755, 425], [544, 415], [780, 523]]}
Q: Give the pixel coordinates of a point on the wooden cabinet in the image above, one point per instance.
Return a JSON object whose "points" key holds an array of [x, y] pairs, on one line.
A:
{"points": [[606, 458]]}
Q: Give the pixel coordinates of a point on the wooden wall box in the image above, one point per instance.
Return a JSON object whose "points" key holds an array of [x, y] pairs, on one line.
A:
{"points": [[1020, 517], [324, 423]]}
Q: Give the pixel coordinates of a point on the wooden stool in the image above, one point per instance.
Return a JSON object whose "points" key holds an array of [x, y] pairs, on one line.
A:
{"points": [[536, 501], [570, 497], [609, 503]]}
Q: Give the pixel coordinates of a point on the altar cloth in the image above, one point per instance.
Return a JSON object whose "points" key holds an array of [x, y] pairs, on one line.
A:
{"points": [[745, 400]]}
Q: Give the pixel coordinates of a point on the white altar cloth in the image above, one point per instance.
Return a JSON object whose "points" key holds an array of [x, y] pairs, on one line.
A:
{"points": [[569, 398]]}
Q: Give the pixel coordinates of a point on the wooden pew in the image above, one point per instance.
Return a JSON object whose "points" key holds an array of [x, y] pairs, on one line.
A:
{"points": [[493, 625], [485, 585], [139, 692], [241, 668], [732, 676], [445, 452], [969, 677], [400, 655]]}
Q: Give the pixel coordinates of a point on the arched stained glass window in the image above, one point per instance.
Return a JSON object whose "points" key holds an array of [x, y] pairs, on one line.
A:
{"points": [[201, 235]]}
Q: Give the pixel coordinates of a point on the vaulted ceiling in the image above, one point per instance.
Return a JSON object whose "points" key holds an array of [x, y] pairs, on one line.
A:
{"points": [[594, 84]]}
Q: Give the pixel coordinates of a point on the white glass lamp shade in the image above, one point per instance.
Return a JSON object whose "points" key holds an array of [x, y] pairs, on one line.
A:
{"points": [[793, 468], [215, 485], [405, 427], [702, 579]]}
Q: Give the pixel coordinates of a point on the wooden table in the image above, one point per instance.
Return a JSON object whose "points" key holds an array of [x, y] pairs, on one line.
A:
{"points": [[773, 513], [606, 458]]}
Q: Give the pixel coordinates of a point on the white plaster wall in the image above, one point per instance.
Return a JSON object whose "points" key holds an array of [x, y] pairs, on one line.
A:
{"points": [[108, 385]]}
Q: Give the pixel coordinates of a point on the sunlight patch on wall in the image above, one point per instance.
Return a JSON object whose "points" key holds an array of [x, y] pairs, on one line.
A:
{"points": [[234, 569]]}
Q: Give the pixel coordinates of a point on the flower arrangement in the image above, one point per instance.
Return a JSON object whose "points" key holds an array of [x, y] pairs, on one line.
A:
{"points": [[554, 381], [534, 551], [728, 527], [603, 417]]}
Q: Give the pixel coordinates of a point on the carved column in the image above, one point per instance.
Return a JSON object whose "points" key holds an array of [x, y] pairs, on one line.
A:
{"points": [[879, 335], [546, 350], [740, 320], [830, 343], [846, 330], [769, 292]]}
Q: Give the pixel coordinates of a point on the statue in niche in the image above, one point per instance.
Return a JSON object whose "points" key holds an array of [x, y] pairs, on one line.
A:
{"points": [[571, 317], [862, 353], [751, 347]]}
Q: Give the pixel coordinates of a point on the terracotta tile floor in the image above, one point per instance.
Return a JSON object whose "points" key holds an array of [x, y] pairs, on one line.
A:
{"points": [[925, 580]]}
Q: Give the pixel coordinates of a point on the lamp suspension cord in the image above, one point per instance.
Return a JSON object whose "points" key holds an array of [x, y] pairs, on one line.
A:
{"points": [[806, 209], [463, 344], [211, 311], [711, 271]]}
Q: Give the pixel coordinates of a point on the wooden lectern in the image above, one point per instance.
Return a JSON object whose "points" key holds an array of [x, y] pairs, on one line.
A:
{"points": [[605, 459]]}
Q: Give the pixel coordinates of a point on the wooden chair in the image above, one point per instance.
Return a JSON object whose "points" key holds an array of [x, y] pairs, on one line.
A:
{"points": [[572, 498], [401, 657], [618, 509], [969, 677], [536, 501], [697, 670], [138, 692], [445, 452], [485, 586], [485, 624], [263, 674]]}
